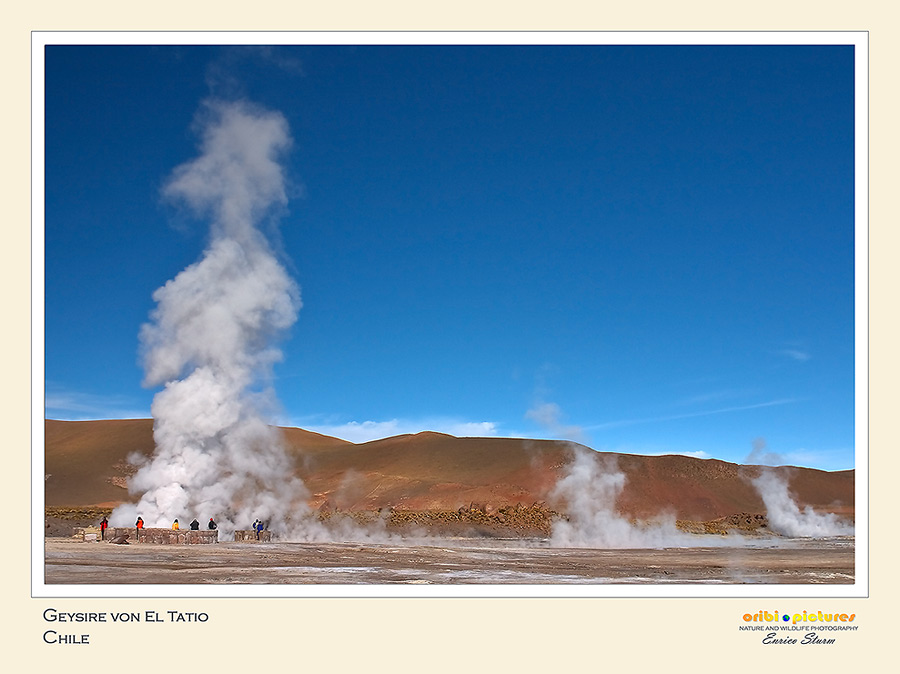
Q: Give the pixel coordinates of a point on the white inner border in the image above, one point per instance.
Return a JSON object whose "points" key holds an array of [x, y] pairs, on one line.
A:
{"points": [[859, 39]]}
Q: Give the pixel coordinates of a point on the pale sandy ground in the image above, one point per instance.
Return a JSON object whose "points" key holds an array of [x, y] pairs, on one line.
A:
{"points": [[447, 562]]}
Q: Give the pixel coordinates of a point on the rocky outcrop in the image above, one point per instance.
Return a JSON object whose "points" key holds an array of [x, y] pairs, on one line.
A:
{"points": [[741, 523]]}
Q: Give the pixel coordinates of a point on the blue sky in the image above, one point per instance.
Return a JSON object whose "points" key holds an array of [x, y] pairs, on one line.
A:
{"points": [[645, 249]]}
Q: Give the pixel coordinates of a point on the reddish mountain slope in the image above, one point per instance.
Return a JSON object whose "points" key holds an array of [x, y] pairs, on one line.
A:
{"points": [[86, 464]]}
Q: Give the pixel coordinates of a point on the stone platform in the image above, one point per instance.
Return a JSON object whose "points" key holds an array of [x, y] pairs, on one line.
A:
{"points": [[164, 536]]}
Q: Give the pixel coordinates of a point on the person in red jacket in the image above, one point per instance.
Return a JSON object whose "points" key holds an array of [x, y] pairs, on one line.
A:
{"points": [[103, 524]]}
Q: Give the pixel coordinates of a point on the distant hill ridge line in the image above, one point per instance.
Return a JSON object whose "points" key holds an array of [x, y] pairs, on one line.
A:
{"points": [[86, 463]]}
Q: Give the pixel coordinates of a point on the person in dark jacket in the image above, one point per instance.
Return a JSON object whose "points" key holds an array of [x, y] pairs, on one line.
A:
{"points": [[211, 525], [195, 525]]}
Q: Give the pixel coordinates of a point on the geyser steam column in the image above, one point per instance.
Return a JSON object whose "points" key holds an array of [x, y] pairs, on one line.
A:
{"points": [[210, 340]]}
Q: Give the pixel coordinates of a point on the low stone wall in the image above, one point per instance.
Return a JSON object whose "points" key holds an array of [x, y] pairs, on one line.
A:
{"points": [[178, 537], [249, 536], [113, 532], [164, 536]]}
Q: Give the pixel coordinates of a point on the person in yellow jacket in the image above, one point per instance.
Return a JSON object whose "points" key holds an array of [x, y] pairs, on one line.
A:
{"points": [[175, 525]]}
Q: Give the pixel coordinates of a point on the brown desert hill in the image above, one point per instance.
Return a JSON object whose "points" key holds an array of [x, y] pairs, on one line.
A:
{"points": [[432, 471], [87, 464]]}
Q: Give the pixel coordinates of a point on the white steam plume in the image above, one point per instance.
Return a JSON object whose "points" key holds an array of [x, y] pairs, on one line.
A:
{"points": [[549, 416], [762, 455], [210, 340], [589, 489], [786, 517]]}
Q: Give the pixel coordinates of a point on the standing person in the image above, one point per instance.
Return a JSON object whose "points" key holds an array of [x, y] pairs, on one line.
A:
{"points": [[211, 525], [195, 525], [259, 528], [103, 525], [137, 529], [175, 525], [255, 530]]}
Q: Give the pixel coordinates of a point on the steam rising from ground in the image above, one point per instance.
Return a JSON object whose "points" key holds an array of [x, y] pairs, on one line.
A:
{"points": [[592, 483], [210, 344], [786, 517], [210, 341], [590, 488]]}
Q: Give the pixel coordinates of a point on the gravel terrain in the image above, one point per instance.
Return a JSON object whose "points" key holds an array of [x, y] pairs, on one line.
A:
{"points": [[448, 562]]}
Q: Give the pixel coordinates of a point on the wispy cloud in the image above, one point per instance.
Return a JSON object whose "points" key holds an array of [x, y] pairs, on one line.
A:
{"points": [[655, 450], [688, 415], [67, 405], [365, 431], [795, 350], [795, 354], [821, 459]]}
